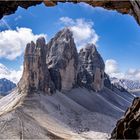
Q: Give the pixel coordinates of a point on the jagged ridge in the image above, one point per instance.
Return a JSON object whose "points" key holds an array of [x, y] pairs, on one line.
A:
{"points": [[58, 66]]}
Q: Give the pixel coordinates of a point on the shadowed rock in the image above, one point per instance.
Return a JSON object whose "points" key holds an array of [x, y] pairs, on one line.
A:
{"points": [[129, 126], [91, 71], [124, 7], [107, 82], [62, 60], [36, 75]]}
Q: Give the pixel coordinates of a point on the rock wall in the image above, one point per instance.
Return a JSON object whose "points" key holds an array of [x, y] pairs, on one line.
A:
{"points": [[35, 74], [62, 57], [91, 71], [129, 126], [124, 7], [58, 65]]}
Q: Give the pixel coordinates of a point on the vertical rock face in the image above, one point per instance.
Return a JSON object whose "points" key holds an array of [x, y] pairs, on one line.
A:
{"points": [[62, 60], [107, 82], [91, 70], [57, 65], [36, 75], [129, 126]]}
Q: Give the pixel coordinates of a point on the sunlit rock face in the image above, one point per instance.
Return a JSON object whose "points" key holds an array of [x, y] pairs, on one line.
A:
{"points": [[62, 60], [36, 75], [91, 68], [58, 65]]}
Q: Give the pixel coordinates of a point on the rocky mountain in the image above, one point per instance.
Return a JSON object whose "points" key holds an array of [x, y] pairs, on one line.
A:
{"points": [[126, 84], [6, 86], [58, 66], [91, 68], [61, 88], [36, 76], [62, 60]]}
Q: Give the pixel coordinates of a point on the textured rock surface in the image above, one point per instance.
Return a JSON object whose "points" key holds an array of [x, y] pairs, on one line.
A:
{"points": [[6, 86], [36, 75], [91, 71], [129, 126], [62, 60], [107, 82], [58, 65], [124, 7]]}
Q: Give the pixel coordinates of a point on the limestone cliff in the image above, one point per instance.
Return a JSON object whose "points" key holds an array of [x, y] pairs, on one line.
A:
{"points": [[35, 74], [62, 60], [58, 65], [91, 71]]}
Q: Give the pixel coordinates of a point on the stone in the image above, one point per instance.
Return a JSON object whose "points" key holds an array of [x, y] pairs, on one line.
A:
{"points": [[107, 82], [36, 76], [91, 68], [62, 60], [125, 7], [128, 127]]}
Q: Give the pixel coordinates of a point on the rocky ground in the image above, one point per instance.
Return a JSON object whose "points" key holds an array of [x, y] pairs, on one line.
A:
{"points": [[60, 115]]}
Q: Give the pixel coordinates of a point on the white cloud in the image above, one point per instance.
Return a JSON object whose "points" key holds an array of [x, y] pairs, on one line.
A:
{"points": [[83, 31], [67, 20], [12, 75], [133, 74], [13, 42], [112, 68]]}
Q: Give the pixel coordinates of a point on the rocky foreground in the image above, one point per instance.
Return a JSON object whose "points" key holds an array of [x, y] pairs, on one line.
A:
{"points": [[62, 94]]}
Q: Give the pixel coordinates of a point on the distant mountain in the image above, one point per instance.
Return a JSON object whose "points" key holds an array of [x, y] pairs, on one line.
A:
{"points": [[126, 84], [6, 86]]}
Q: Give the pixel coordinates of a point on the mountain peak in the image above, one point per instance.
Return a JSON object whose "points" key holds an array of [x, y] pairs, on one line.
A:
{"points": [[62, 59], [6, 86], [36, 76], [66, 30], [58, 65], [91, 73], [90, 47], [40, 42]]}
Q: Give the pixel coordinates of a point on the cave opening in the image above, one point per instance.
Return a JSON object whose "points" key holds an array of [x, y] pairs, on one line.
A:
{"points": [[116, 37]]}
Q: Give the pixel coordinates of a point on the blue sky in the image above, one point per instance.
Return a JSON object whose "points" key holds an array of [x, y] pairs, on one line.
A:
{"points": [[118, 35]]}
